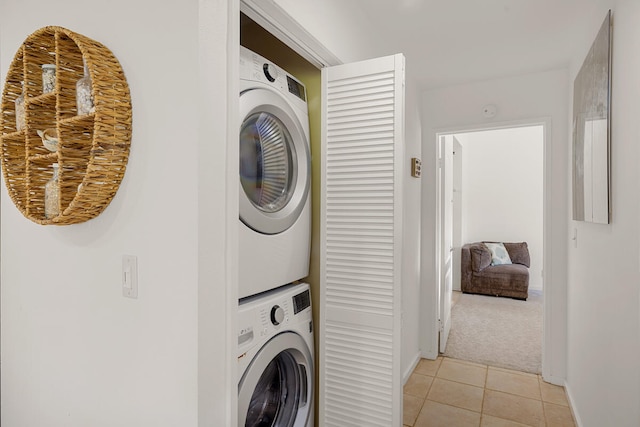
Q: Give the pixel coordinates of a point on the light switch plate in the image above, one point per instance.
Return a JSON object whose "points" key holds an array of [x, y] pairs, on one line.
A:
{"points": [[130, 276]]}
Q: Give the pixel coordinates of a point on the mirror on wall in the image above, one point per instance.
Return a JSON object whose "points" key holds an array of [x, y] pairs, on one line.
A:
{"points": [[592, 131]]}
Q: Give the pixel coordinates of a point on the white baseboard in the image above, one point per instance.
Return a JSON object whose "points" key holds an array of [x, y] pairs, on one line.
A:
{"points": [[409, 370], [429, 355], [553, 380], [572, 405]]}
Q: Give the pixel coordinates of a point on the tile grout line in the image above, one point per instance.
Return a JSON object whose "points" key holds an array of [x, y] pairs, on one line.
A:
{"points": [[484, 386], [544, 413], [426, 394], [484, 394], [435, 375]]}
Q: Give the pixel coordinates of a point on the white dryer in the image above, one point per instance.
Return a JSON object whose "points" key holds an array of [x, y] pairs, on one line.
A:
{"points": [[275, 359], [275, 177]]}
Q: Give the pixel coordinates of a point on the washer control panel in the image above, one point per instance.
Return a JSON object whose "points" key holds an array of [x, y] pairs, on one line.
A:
{"points": [[260, 318], [275, 316]]}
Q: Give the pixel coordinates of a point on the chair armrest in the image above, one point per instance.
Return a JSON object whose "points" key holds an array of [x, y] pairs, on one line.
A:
{"points": [[480, 257]]}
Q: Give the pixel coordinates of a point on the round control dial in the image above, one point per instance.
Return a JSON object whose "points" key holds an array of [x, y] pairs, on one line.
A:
{"points": [[270, 72], [277, 315]]}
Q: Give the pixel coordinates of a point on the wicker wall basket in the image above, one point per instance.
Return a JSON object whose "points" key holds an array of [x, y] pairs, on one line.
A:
{"points": [[93, 148]]}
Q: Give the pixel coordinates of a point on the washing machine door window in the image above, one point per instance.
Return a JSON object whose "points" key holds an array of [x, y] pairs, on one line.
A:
{"points": [[274, 162], [267, 406], [276, 389]]}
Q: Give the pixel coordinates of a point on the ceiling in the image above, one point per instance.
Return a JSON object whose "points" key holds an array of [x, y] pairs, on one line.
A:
{"points": [[448, 42]]}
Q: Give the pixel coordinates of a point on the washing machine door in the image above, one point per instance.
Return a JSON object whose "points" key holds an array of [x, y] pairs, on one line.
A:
{"points": [[277, 387], [274, 162]]}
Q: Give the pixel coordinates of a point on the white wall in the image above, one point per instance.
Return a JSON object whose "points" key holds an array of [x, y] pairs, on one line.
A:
{"points": [[603, 366], [339, 26], [518, 99], [502, 195], [74, 351]]}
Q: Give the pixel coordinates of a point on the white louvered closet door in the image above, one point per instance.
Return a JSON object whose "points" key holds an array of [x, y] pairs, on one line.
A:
{"points": [[361, 238]]}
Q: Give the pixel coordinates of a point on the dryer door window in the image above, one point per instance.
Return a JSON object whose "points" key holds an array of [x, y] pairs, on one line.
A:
{"points": [[274, 162], [277, 389], [266, 165]]}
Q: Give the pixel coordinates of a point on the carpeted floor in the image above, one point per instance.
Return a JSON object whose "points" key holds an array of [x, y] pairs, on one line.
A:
{"points": [[500, 332]]}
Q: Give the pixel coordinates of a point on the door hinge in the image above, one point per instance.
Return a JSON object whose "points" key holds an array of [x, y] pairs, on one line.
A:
{"points": [[440, 326]]}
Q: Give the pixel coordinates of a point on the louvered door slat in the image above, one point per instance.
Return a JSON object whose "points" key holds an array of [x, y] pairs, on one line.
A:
{"points": [[362, 140], [360, 378]]}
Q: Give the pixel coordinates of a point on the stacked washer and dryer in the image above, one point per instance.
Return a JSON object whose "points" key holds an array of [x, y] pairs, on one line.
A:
{"points": [[275, 337]]}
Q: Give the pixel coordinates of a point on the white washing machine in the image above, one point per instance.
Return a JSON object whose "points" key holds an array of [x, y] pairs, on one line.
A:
{"points": [[275, 177], [275, 359]]}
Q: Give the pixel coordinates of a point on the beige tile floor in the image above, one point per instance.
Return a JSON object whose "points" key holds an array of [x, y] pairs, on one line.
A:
{"points": [[454, 393]]}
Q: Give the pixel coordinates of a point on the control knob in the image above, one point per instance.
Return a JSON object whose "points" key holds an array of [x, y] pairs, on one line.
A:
{"points": [[277, 315], [270, 72]]}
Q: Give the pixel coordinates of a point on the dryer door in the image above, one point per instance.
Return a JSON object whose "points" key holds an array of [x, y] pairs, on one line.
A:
{"points": [[277, 387], [274, 162]]}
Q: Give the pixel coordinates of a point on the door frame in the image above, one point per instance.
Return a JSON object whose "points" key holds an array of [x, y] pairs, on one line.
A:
{"points": [[548, 349], [273, 18], [217, 289], [444, 322]]}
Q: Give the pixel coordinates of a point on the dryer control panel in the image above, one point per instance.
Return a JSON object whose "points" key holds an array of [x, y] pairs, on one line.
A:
{"points": [[257, 68]]}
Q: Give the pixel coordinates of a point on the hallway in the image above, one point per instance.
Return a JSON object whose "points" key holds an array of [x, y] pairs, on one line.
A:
{"points": [[448, 392]]}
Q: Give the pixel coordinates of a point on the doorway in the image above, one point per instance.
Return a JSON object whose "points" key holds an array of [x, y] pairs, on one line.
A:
{"points": [[491, 188]]}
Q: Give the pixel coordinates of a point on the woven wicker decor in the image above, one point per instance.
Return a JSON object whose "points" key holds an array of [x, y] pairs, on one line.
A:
{"points": [[93, 149]]}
